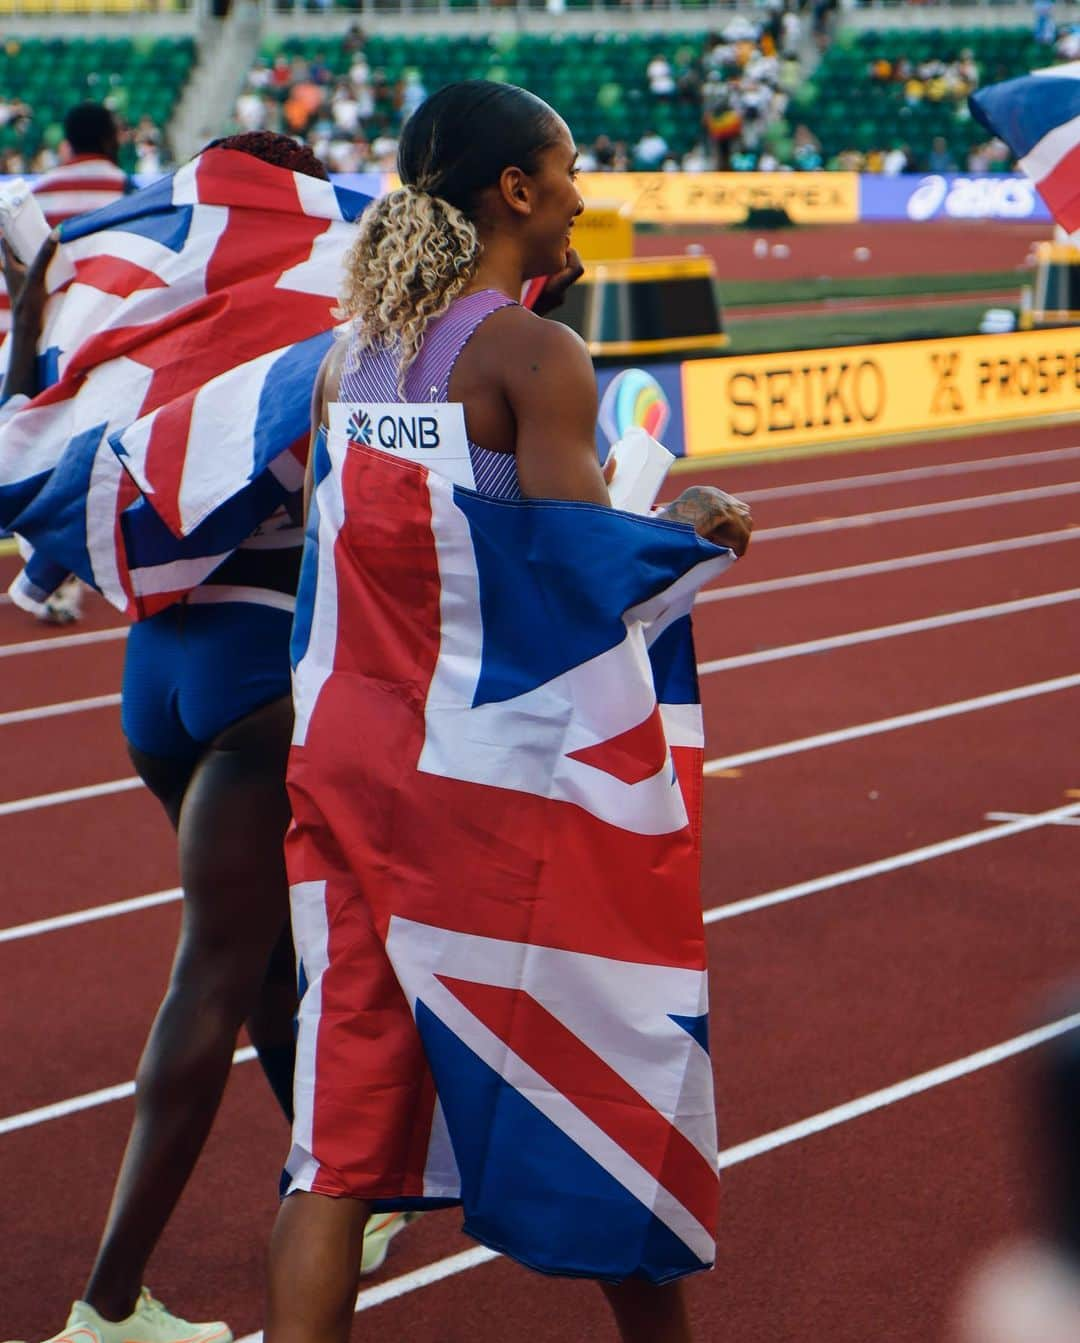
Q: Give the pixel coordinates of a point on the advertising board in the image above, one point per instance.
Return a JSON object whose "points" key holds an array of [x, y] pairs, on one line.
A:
{"points": [[924, 197], [760, 402], [726, 198], [649, 399]]}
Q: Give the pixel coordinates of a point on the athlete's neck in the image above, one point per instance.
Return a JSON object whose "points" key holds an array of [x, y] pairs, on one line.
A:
{"points": [[501, 268]]}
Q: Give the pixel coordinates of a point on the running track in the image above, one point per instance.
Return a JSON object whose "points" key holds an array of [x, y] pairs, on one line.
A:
{"points": [[892, 690]]}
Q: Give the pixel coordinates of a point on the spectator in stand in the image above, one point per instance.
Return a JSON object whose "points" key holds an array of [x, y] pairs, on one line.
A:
{"points": [[345, 109], [1045, 27], [661, 80], [650, 151], [806, 150], [250, 109], [87, 178], [940, 159], [896, 161], [603, 152], [413, 94]]}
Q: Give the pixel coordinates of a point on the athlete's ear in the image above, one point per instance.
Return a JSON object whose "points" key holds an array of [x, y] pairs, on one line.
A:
{"points": [[515, 187]]}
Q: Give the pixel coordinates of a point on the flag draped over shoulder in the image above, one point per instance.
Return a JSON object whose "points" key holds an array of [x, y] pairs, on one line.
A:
{"points": [[179, 360], [1038, 117], [495, 780]]}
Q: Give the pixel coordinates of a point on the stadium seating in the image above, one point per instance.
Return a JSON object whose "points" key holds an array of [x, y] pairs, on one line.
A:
{"points": [[847, 108], [137, 77], [596, 81]]}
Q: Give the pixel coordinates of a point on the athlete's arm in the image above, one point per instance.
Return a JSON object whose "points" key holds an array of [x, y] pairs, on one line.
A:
{"points": [[324, 391], [26, 285], [550, 386]]}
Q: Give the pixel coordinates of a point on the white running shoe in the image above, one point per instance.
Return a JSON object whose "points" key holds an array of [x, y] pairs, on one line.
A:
{"points": [[149, 1322], [64, 607], [381, 1229]]}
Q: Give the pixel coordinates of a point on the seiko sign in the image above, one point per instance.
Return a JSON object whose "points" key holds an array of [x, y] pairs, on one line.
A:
{"points": [[973, 198]]}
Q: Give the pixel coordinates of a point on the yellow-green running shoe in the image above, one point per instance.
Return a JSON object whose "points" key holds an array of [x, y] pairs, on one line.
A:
{"points": [[149, 1322], [381, 1229]]}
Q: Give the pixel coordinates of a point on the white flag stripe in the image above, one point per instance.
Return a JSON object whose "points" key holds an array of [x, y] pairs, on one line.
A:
{"points": [[1041, 160]]}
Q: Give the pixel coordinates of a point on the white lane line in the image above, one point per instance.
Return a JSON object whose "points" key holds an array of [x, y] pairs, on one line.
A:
{"points": [[705, 669], [1064, 821], [44, 1113], [462, 1262], [899, 860], [893, 724], [59, 709], [720, 912], [889, 566], [913, 473], [915, 511], [62, 641], [912, 1086], [972, 613], [68, 795], [20, 930]]}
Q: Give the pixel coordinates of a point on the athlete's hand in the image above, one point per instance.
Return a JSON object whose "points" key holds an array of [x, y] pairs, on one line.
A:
{"points": [[718, 517], [26, 284], [556, 286]]}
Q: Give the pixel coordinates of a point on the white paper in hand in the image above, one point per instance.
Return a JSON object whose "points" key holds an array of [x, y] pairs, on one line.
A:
{"points": [[641, 465], [21, 221]]}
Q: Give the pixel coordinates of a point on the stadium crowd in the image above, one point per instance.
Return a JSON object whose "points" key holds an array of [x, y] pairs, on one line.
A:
{"points": [[738, 81], [142, 147]]}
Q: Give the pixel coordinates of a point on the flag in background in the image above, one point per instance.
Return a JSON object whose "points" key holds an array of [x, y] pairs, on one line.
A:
{"points": [[495, 869], [1038, 117], [180, 358], [85, 182]]}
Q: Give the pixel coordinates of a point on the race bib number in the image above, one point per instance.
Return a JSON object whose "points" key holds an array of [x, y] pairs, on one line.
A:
{"points": [[432, 434]]}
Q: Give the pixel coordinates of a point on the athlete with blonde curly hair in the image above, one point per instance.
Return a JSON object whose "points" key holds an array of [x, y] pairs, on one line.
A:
{"points": [[488, 201]]}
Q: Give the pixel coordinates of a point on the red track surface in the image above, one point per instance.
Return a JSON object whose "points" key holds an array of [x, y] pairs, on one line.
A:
{"points": [[859, 1232], [944, 248]]}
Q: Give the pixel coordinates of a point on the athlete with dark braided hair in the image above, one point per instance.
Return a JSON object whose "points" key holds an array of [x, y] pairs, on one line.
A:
{"points": [[207, 715]]}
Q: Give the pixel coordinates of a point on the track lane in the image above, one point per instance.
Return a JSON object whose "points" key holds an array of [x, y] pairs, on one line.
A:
{"points": [[65, 858], [214, 1255], [813, 465]]}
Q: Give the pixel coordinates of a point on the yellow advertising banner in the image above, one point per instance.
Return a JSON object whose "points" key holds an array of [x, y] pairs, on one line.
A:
{"points": [[737, 404], [726, 198]]}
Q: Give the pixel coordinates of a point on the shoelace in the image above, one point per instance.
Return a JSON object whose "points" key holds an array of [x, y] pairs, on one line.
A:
{"points": [[150, 1305]]}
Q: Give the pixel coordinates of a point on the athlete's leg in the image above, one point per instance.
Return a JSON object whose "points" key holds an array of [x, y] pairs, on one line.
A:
{"points": [[645, 1313], [314, 1269], [230, 827]]}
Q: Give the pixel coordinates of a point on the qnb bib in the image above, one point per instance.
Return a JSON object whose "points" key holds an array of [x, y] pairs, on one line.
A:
{"points": [[429, 433]]}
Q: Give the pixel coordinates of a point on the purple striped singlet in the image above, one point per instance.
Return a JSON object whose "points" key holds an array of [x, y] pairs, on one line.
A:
{"points": [[371, 375]]}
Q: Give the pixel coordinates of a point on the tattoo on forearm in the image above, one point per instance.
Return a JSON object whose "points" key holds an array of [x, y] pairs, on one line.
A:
{"points": [[698, 507]]}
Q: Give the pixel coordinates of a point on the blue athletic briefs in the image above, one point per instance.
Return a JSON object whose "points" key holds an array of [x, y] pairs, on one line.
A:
{"points": [[197, 667]]}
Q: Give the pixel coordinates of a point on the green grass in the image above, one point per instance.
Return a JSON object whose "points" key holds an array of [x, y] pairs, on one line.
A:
{"points": [[822, 330], [756, 293]]}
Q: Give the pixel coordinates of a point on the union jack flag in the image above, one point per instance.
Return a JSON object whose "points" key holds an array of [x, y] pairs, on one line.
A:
{"points": [[1038, 117], [179, 351], [496, 785]]}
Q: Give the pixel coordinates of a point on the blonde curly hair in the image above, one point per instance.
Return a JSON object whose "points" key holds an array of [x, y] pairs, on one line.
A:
{"points": [[413, 255], [418, 248]]}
